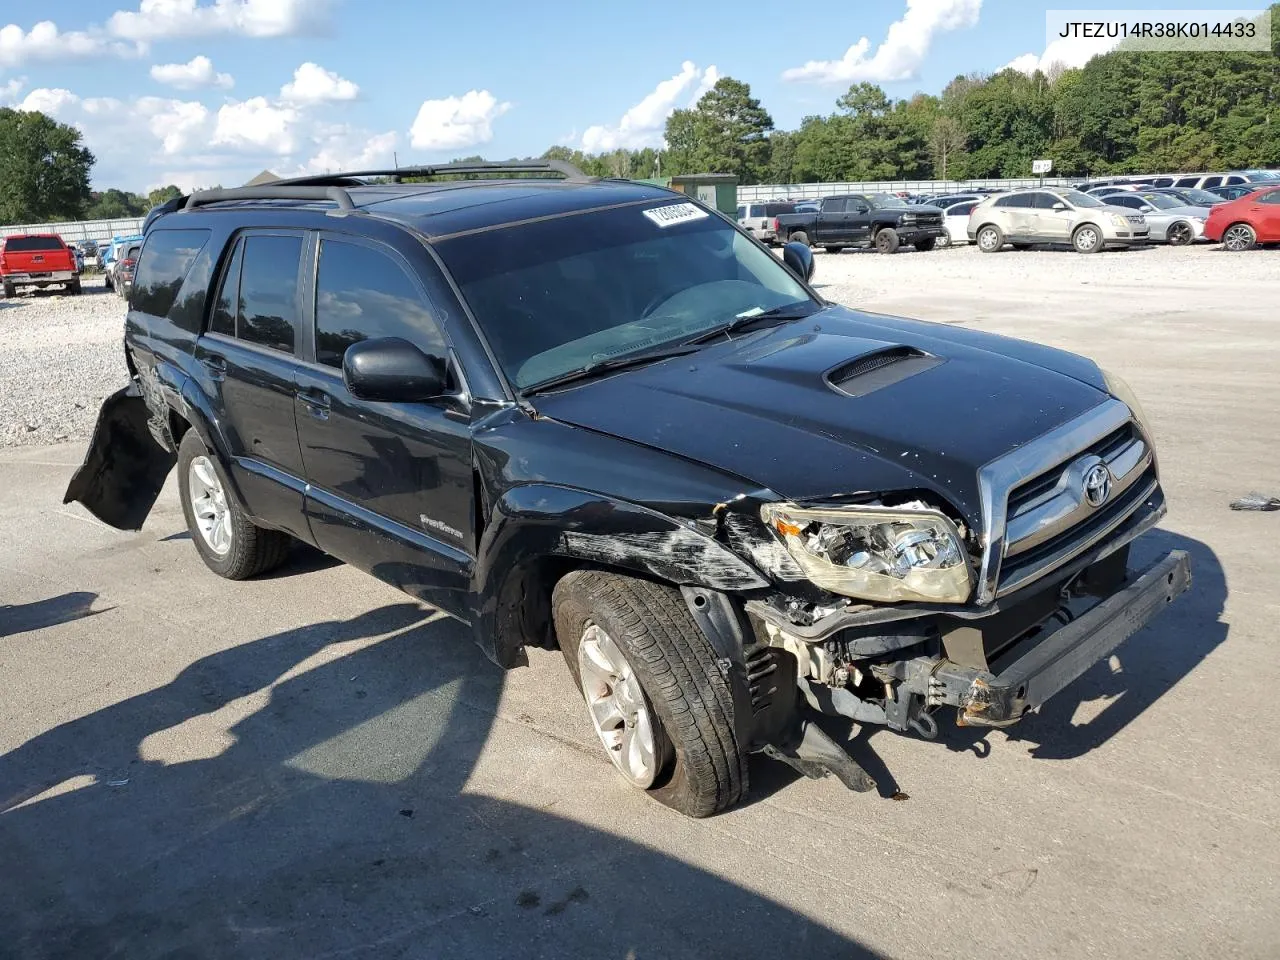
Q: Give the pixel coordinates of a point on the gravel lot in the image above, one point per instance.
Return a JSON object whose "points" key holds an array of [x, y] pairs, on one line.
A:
{"points": [[309, 765], [59, 356]]}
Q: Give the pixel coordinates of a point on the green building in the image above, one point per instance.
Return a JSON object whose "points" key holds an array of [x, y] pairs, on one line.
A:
{"points": [[719, 190]]}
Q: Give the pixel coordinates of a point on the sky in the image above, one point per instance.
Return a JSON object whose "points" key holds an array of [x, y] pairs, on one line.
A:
{"points": [[204, 92]]}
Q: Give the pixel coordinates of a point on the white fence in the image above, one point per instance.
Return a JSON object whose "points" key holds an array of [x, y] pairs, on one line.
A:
{"points": [[788, 191], [81, 230]]}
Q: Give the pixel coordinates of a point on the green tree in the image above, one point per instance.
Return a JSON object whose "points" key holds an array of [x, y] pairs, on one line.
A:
{"points": [[163, 195], [44, 169], [727, 131], [116, 204]]}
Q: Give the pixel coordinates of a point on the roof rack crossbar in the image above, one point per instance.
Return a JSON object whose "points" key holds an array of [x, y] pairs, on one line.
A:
{"points": [[272, 192], [565, 169]]}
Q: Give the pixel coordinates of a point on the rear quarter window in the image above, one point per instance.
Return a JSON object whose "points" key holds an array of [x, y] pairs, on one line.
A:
{"points": [[778, 209], [162, 273]]}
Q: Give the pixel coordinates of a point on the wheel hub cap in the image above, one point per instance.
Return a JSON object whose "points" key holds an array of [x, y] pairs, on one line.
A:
{"points": [[617, 706], [209, 505]]}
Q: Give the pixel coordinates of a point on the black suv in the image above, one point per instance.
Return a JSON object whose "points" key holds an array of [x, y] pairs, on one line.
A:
{"points": [[595, 414]]}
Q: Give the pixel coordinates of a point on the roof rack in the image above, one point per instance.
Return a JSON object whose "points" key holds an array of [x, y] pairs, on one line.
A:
{"points": [[350, 178], [272, 191]]}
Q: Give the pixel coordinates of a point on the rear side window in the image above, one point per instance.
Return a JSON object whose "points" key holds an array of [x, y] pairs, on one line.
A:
{"points": [[1210, 182], [1187, 182], [166, 261], [1272, 197], [833, 206], [268, 313], [32, 244], [961, 209], [362, 293], [757, 210], [1233, 180], [1125, 200], [742, 213], [1019, 200], [778, 209], [1041, 201]]}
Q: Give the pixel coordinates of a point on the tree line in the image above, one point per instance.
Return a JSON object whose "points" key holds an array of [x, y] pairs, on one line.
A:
{"points": [[1124, 112]]}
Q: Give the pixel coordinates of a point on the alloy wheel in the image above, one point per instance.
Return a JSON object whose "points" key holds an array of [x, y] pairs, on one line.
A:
{"points": [[209, 505], [1237, 238], [618, 708], [1086, 239], [987, 240]]}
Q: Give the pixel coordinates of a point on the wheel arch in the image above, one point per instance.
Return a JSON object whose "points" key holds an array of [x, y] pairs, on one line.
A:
{"points": [[537, 533]]}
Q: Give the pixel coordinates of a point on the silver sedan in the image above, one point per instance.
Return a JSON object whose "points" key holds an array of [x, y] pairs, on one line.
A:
{"points": [[1170, 221]]}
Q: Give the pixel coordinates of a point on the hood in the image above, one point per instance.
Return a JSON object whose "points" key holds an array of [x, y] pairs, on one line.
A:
{"points": [[843, 403], [1200, 213]]}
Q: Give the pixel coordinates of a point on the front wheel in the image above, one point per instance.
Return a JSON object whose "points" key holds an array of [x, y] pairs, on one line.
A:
{"points": [[990, 239], [658, 702], [1179, 234], [227, 540], [1239, 237], [833, 249], [1087, 239], [888, 241]]}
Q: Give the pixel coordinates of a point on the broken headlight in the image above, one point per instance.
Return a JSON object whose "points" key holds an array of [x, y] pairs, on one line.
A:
{"points": [[875, 553]]}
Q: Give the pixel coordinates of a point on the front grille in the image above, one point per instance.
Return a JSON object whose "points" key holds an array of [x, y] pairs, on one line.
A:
{"points": [[1027, 495], [1137, 219], [1052, 553]]}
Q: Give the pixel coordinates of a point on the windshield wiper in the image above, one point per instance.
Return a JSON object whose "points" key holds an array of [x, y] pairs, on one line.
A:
{"points": [[606, 366], [782, 314]]}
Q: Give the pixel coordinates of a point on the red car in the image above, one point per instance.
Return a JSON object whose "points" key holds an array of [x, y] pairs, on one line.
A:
{"points": [[1243, 224], [37, 260]]}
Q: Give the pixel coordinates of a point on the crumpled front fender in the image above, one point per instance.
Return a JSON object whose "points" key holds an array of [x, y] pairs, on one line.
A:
{"points": [[124, 468]]}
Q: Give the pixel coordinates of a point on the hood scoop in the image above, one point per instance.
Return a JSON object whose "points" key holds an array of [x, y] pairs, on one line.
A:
{"points": [[879, 369]]}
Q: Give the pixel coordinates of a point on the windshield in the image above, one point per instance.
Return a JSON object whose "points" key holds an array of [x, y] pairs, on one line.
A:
{"points": [[1200, 197], [1078, 199], [1161, 201], [883, 200], [560, 294]]}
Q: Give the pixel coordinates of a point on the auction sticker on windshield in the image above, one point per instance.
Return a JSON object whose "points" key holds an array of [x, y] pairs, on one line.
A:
{"points": [[674, 213]]}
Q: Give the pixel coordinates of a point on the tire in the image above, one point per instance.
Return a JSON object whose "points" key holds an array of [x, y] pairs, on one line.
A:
{"points": [[989, 238], [887, 241], [799, 237], [1239, 237], [1087, 239], [10, 291], [833, 249], [74, 288], [247, 550], [925, 245], [698, 766], [1179, 234]]}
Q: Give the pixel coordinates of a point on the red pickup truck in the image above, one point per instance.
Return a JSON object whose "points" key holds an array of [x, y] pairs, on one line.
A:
{"points": [[37, 260]]}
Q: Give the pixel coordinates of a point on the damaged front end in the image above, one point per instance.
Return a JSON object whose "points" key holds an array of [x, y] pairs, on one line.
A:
{"points": [[126, 464]]}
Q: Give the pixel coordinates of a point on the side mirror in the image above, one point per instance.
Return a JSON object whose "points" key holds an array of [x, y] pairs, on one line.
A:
{"points": [[799, 258], [1059, 205], [392, 370]]}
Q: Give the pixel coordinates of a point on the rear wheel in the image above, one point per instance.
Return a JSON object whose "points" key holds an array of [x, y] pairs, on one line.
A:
{"points": [[1179, 234], [833, 249], [229, 543], [1239, 237], [887, 241], [926, 244], [74, 288], [799, 237], [1087, 239], [660, 706], [990, 238]]}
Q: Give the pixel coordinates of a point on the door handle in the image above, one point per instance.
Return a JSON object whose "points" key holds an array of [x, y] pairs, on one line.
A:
{"points": [[217, 367], [317, 403]]}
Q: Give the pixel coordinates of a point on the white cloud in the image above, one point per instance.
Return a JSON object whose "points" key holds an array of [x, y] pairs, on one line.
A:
{"points": [[45, 42], [312, 83], [51, 101], [158, 19], [257, 122], [1066, 51], [342, 147], [643, 125], [196, 72], [456, 122], [10, 89], [904, 49], [179, 125]]}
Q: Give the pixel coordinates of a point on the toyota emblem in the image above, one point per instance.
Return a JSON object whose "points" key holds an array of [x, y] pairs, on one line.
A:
{"points": [[1097, 484]]}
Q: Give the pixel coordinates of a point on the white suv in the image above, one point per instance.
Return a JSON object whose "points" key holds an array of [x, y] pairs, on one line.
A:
{"points": [[1053, 215]]}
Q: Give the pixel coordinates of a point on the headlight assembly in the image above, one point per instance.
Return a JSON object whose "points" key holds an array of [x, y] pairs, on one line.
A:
{"points": [[1124, 393], [875, 553], [1119, 220]]}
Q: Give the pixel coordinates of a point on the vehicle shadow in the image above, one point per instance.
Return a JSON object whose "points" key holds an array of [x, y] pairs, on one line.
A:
{"points": [[24, 617], [306, 794]]}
